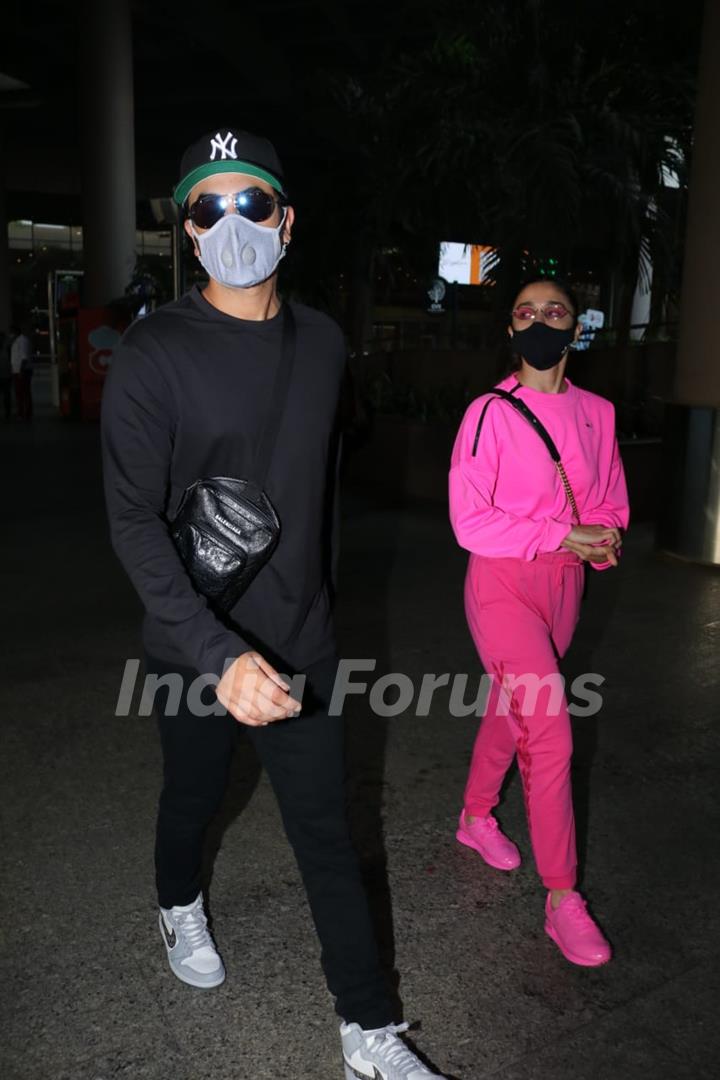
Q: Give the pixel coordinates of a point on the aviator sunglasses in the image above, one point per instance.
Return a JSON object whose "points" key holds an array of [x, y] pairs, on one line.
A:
{"points": [[252, 203]]}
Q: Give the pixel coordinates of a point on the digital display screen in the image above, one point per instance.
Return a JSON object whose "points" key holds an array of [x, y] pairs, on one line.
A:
{"points": [[467, 264]]}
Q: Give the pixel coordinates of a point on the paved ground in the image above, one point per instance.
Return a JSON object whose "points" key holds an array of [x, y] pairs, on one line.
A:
{"points": [[85, 990]]}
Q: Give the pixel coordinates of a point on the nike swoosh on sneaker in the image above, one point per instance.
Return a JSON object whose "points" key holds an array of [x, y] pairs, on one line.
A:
{"points": [[364, 1076], [170, 936]]}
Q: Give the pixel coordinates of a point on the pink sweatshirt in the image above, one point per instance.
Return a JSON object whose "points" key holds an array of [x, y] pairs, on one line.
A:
{"points": [[508, 500]]}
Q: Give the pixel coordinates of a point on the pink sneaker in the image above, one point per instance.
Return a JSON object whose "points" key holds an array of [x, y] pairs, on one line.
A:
{"points": [[577, 936], [485, 837]]}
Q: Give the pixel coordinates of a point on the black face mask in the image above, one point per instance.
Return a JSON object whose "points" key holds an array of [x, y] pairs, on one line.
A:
{"points": [[541, 345]]}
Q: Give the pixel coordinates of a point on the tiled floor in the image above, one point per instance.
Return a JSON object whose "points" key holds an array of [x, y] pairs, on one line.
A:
{"points": [[85, 989]]}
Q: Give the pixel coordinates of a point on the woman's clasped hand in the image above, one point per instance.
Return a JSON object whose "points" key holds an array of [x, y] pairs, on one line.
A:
{"points": [[594, 543]]}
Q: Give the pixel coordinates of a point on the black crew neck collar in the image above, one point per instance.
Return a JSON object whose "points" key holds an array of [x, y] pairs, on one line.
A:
{"points": [[210, 311]]}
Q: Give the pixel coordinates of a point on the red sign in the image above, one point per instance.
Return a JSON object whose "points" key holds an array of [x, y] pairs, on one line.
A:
{"points": [[99, 334]]}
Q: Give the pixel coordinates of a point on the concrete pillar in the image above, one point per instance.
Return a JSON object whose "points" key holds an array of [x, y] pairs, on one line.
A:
{"points": [[689, 523], [697, 380], [108, 149], [5, 313]]}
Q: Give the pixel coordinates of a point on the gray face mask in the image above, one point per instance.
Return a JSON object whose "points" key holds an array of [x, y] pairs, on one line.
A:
{"points": [[238, 253]]}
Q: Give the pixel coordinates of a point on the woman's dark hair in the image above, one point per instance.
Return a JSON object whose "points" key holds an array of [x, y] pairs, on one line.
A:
{"points": [[567, 291]]}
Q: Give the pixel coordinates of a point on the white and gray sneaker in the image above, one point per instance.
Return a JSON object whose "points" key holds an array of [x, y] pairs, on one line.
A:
{"points": [[190, 948], [379, 1054]]}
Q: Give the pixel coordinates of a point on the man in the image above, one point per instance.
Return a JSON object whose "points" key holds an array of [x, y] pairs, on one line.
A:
{"points": [[22, 372], [186, 399]]}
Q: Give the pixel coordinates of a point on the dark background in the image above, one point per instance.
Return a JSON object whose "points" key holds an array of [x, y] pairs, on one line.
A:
{"points": [[539, 127]]}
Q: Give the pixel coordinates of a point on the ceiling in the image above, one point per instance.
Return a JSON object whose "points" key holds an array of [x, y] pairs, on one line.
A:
{"points": [[219, 62], [195, 65]]}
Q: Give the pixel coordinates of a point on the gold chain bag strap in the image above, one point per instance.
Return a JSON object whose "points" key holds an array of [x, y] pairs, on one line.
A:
{"points": [[568, 490], [532, 419]]}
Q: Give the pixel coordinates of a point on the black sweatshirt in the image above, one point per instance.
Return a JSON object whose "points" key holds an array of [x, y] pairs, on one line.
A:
{"points": [[186, 398]]}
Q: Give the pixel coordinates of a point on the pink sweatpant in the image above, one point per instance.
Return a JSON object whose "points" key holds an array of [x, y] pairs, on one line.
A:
{"points": [[522, 615]]}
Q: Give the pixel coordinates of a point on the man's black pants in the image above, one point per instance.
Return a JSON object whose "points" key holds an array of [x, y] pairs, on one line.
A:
{"points": [[304, 759]]}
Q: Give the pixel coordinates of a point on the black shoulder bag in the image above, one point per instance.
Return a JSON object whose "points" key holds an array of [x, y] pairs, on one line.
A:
{"points": [[225, 529], [542, 431]]}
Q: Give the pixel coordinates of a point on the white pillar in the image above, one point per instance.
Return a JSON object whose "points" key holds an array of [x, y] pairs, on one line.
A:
{"points": [[108, 149]]}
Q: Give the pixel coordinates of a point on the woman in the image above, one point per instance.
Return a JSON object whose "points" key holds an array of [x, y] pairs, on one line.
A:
{"points": [[530, 532]]}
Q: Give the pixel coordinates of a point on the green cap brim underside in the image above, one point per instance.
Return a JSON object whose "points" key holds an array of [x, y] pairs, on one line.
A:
{"points": [[212, 168]]}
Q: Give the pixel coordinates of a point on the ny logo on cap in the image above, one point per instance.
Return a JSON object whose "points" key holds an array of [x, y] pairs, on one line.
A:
{"points": [[220, 146]]}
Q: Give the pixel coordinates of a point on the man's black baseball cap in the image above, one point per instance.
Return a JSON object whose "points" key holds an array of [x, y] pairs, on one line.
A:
{"points": [[228, 150]]}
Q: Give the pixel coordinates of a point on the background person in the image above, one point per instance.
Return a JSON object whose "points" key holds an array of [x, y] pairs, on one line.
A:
{"points": [[523, 588], [6, 379], [21, 362]]}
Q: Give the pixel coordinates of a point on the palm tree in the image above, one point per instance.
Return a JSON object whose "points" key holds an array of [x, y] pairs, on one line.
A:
{"points": [[534, 126]]}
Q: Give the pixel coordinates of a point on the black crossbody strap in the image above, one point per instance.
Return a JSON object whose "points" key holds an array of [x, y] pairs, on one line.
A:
{"points": [[541, 430], [526, 412], [278, 397], [497, 392]]}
